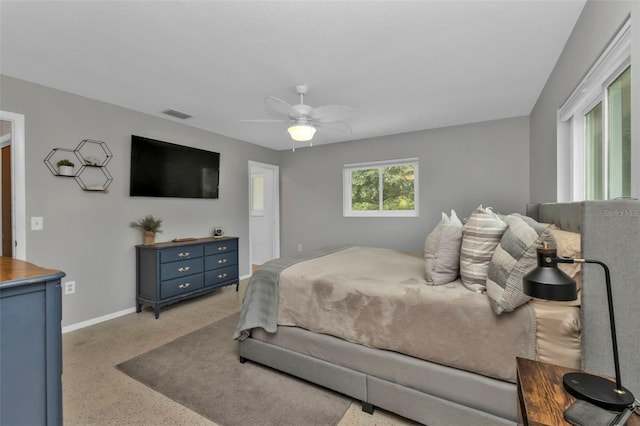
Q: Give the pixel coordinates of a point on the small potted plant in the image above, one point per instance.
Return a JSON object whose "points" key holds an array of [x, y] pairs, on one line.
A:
{"points": [[65, 167], [150, 225]]}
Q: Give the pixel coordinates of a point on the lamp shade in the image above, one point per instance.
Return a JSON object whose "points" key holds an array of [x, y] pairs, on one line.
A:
{"points": [[301, 132], [548, 282]]}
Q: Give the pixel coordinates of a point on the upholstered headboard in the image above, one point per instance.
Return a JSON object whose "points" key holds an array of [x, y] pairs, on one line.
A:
{"points": [[610, 233]]}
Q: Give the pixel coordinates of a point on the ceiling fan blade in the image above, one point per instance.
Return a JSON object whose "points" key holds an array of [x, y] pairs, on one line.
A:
{"points": [[338, 126], [330, 113], [280, 106]]}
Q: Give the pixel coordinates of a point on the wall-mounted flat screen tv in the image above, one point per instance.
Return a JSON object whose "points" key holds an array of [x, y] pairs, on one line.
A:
{"points": [[163, 169]]}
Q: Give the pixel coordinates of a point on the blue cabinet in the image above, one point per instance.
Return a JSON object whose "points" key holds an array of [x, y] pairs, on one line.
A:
{"points": [[167, 273], [30, 344]]}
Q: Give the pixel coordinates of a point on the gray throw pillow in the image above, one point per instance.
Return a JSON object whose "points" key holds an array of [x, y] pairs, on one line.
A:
{"points": [[515, 256], [480, 236], [442, 251]]}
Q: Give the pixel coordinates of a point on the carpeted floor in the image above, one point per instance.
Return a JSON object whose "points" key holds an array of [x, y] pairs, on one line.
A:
{"points": [[201, 371]]}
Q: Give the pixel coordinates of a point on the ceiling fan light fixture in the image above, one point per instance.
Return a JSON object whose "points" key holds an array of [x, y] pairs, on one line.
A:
{"points": [[301, 132]]}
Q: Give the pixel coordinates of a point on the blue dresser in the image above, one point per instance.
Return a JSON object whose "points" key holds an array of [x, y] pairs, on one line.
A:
{"points": [[167, 273], [30, 344]]}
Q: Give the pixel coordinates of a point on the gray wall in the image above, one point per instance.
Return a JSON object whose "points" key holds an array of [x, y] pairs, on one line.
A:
{"points": [[460, 168], [596, 26], [87, 234]]}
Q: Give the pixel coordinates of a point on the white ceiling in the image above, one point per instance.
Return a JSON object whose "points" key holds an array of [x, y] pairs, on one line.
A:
{"points": [[404, 65]]}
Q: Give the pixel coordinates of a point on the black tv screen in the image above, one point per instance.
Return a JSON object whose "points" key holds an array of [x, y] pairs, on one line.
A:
{"points": [[163, 169]]}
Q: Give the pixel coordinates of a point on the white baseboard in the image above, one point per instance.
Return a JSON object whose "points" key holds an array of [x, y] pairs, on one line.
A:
{"points": [[97, 320], [87, 323]]}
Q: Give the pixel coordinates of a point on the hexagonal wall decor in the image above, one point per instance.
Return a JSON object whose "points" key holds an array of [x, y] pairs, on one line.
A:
{"points": [[98, 178], [93, 153], [58, 154], [92, 156]]}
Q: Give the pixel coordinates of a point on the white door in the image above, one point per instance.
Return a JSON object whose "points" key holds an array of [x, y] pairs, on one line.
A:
{"points": [[264, 212]]}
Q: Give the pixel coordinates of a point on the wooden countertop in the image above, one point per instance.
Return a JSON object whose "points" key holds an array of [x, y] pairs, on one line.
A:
{"points": [[13, 269]]}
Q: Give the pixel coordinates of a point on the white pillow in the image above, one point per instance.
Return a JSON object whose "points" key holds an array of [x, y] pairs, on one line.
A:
{"points": [[442, 251], [480, 237]]}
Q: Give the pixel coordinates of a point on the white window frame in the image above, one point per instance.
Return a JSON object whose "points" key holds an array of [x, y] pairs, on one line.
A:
{"points": [[591, 91], [346, 188]]}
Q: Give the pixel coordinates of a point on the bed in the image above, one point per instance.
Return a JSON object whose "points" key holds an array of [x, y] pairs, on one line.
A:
{"points": [[395, 367]]}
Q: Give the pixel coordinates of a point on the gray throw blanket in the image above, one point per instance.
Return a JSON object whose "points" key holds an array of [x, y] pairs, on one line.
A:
{"points": [[260, 303]]}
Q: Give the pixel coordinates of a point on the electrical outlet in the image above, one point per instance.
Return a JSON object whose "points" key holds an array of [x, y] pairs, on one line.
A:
{"points": [[299, 247], [69, 287], [36, 223]]}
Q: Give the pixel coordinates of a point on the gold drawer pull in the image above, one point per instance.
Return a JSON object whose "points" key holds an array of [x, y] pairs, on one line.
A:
{"points": [[185, 254], [222, 275], [221, 261], [185, 285], [222, 248], [184, 269]]}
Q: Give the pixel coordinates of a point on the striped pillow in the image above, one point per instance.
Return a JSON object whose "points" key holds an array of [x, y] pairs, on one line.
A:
{"points": [[513, 258], [480, 236]]}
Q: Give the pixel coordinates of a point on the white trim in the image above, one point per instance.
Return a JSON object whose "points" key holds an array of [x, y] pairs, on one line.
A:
{"points": [[592, 90], [615, 54], [19, 212], [114, 315], [374, 164], [87, 323]]}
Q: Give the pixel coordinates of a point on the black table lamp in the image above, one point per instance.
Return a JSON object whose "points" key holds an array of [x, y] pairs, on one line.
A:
{"points": [[550, 283]]}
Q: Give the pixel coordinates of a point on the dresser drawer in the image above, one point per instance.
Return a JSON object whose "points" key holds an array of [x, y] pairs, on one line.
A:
{"points": [[221, 275], [220, 260], [181, 253], [221, 247], [178, 269], [181, 285]]}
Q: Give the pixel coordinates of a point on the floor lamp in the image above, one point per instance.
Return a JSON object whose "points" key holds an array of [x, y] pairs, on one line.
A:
{"points": [[550, 283]]}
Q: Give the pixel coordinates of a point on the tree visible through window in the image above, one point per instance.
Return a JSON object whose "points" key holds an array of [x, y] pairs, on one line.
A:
{"points": [[381, 189]]}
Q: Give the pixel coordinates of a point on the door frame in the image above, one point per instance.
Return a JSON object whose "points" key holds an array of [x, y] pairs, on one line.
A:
{"points": [[18, 156], [276, 205]]}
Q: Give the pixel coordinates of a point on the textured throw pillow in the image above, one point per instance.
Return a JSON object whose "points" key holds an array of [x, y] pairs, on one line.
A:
{"points": [[480, 236], [442, 251], [515, 256]]}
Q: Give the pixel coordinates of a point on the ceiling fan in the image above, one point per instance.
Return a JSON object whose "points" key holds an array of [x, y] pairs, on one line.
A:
{"points": [[304, 119]]}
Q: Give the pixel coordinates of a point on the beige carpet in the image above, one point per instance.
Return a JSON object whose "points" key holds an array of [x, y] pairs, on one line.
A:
{"points": [[201, 371]]}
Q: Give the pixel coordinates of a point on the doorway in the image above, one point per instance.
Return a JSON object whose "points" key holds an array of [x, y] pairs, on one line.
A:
{"points": [[6, 199], [12, 175], [264, 213]]}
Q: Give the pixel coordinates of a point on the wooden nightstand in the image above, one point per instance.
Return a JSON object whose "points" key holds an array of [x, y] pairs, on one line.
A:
{"points": [[541, 396]]}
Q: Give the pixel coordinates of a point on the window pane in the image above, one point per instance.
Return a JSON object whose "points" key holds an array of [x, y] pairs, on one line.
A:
{"points": [[593, 153], [398, 189], [257, 193], [619, 126], [365, 192]]}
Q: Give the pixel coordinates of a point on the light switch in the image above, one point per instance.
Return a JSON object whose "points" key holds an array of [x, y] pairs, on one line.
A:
{"points": [[36, 223]]}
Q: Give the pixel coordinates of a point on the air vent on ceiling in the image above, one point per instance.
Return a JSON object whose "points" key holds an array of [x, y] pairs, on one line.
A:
{"points": [[177, 114]]}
